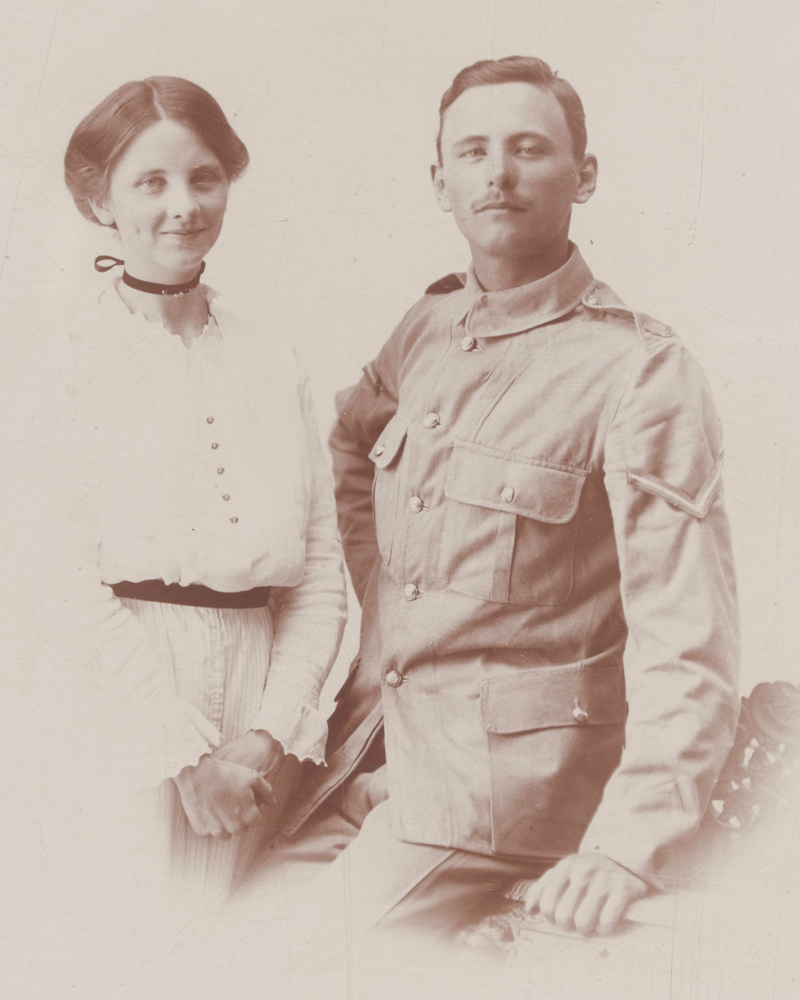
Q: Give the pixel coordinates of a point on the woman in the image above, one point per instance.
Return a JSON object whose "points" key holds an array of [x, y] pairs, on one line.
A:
{"points": [[169, 465]]}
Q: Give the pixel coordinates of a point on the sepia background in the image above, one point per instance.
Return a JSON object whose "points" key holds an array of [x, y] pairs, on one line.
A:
{"points": [[333, 232]]}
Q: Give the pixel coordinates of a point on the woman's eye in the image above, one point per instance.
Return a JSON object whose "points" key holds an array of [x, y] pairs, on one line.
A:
{"points": [[152, 183], [206, 178]]}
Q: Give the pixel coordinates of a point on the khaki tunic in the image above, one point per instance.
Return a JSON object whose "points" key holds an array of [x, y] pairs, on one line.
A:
{"points": [[548, 593]]}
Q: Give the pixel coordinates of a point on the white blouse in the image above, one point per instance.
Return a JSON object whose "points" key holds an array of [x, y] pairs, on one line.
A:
{"points": [[143, 459]]}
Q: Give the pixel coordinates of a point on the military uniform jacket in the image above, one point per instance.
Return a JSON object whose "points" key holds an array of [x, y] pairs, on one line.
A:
{"points": [[529, 496]]}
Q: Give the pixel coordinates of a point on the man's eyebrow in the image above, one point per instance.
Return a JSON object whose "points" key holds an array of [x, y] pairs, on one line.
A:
{"points": [[530, 134], [468, 139], [538, 136]]}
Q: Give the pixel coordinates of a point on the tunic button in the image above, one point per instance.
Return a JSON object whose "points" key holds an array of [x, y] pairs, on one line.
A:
{"points": [[209, 420], [468, 344], [379, 449], [410, 592], [592, 300], [431, 420], [508, 494], [226, 496], [415, 505], [215, 446], [220, 470], [234, 520], [393, 679], [579, 714]]}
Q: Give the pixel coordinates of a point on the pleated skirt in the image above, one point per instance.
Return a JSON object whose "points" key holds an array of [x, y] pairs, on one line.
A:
{"points": [[217, 659]]}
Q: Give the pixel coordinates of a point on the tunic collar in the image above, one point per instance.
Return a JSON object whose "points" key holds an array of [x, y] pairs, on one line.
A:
{"points": [[512, 310]]}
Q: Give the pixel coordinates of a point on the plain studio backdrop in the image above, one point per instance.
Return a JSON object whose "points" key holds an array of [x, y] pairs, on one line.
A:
{"points": [[333, 232]]}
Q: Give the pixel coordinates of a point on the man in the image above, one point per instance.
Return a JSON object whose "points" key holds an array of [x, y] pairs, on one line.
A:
{"points": [[543, 466]]}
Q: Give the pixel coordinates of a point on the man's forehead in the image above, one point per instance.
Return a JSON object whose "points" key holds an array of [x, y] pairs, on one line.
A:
{"points": [[505, 107]]}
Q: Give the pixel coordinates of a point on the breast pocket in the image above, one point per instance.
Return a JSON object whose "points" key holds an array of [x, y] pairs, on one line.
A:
{"points": [[386, 482], [510, 526], [555, 736]]}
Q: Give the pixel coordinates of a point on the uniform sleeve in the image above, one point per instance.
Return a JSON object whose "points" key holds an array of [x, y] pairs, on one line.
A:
{"points": [[363, 412], [308, 620], [92, 686], [662, 473]]}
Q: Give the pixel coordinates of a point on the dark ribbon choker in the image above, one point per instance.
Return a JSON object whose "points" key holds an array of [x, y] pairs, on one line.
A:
{"points": [[148, 286]]}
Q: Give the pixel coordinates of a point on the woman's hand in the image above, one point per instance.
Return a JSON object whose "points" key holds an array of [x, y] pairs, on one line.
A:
{"points": [[221, 798], [255, 749]]}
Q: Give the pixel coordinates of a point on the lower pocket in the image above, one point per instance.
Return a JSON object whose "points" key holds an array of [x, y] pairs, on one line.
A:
{"points": [[555, 736]]}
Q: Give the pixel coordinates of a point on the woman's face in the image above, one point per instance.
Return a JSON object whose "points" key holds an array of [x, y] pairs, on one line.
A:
{"points": [[167, 196]]}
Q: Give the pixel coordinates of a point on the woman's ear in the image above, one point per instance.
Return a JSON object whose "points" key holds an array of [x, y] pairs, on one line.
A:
{"points": [[103, 214]]}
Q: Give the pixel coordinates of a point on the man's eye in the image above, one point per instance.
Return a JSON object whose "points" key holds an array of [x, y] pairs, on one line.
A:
{"points": [[530, 150], [471, 154]]}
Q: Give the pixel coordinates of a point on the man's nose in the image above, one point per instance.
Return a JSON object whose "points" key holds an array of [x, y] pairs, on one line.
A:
{"points": [[182, 202], [501, 170]]}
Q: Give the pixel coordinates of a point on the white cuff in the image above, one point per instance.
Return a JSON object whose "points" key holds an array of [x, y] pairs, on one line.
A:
{"points": [[300, 728]]}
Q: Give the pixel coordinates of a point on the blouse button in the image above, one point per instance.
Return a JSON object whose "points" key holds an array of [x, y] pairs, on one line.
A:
{"points": [[234, 520], [220, 470], [226, 496], [209, 420], [215, 446]]}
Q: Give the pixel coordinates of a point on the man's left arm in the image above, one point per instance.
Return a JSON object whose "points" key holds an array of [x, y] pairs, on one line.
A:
{"points": [[662, 474]]}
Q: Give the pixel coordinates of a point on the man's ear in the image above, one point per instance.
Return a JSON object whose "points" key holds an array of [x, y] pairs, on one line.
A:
{"points": [[105, 216], [587, 180], [439, 188]]}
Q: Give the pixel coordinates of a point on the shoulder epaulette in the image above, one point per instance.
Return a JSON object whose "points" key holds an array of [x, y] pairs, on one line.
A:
{"points": [[450, 283], [600, 298]]}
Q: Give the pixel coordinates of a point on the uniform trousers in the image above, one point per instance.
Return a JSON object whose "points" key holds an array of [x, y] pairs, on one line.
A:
{"points": [[365, 878], [337, 904]]}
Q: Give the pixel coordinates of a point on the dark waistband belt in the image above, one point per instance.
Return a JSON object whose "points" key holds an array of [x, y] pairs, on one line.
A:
{"points": [[195, 595]]}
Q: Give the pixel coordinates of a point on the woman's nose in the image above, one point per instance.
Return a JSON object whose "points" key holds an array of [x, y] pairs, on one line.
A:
{"points": [[181, 202]]}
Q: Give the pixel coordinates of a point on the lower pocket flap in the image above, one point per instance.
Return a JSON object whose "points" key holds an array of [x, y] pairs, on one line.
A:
{"points": [[546, 697]]}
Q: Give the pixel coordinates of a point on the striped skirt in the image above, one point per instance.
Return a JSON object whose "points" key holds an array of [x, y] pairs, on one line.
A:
{"points": [[218, 661]]}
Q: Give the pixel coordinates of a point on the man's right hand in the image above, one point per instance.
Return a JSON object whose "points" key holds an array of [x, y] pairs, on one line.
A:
{"points": [[221, 798]]}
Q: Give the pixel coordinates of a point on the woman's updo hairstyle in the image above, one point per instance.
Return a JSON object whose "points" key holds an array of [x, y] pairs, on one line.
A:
{"points": [[105, 133]]}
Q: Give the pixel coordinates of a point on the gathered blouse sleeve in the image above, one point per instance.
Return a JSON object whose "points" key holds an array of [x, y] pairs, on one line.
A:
{"points": [[93, 687], [308, 618]]}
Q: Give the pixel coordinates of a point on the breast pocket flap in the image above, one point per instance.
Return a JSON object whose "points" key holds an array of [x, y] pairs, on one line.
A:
{"points": [[388, 445], [499, 480], [548, 697]]}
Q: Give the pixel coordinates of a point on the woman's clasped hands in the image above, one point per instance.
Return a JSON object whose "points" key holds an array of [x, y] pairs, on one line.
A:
{"points": [[224, 792]]}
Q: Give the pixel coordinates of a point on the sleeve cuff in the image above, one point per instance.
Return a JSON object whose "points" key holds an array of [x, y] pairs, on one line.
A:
{"points": [[300, 728]]}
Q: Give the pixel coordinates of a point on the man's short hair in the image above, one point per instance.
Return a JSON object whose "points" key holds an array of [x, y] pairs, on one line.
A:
{"points": [[520, 69]]}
